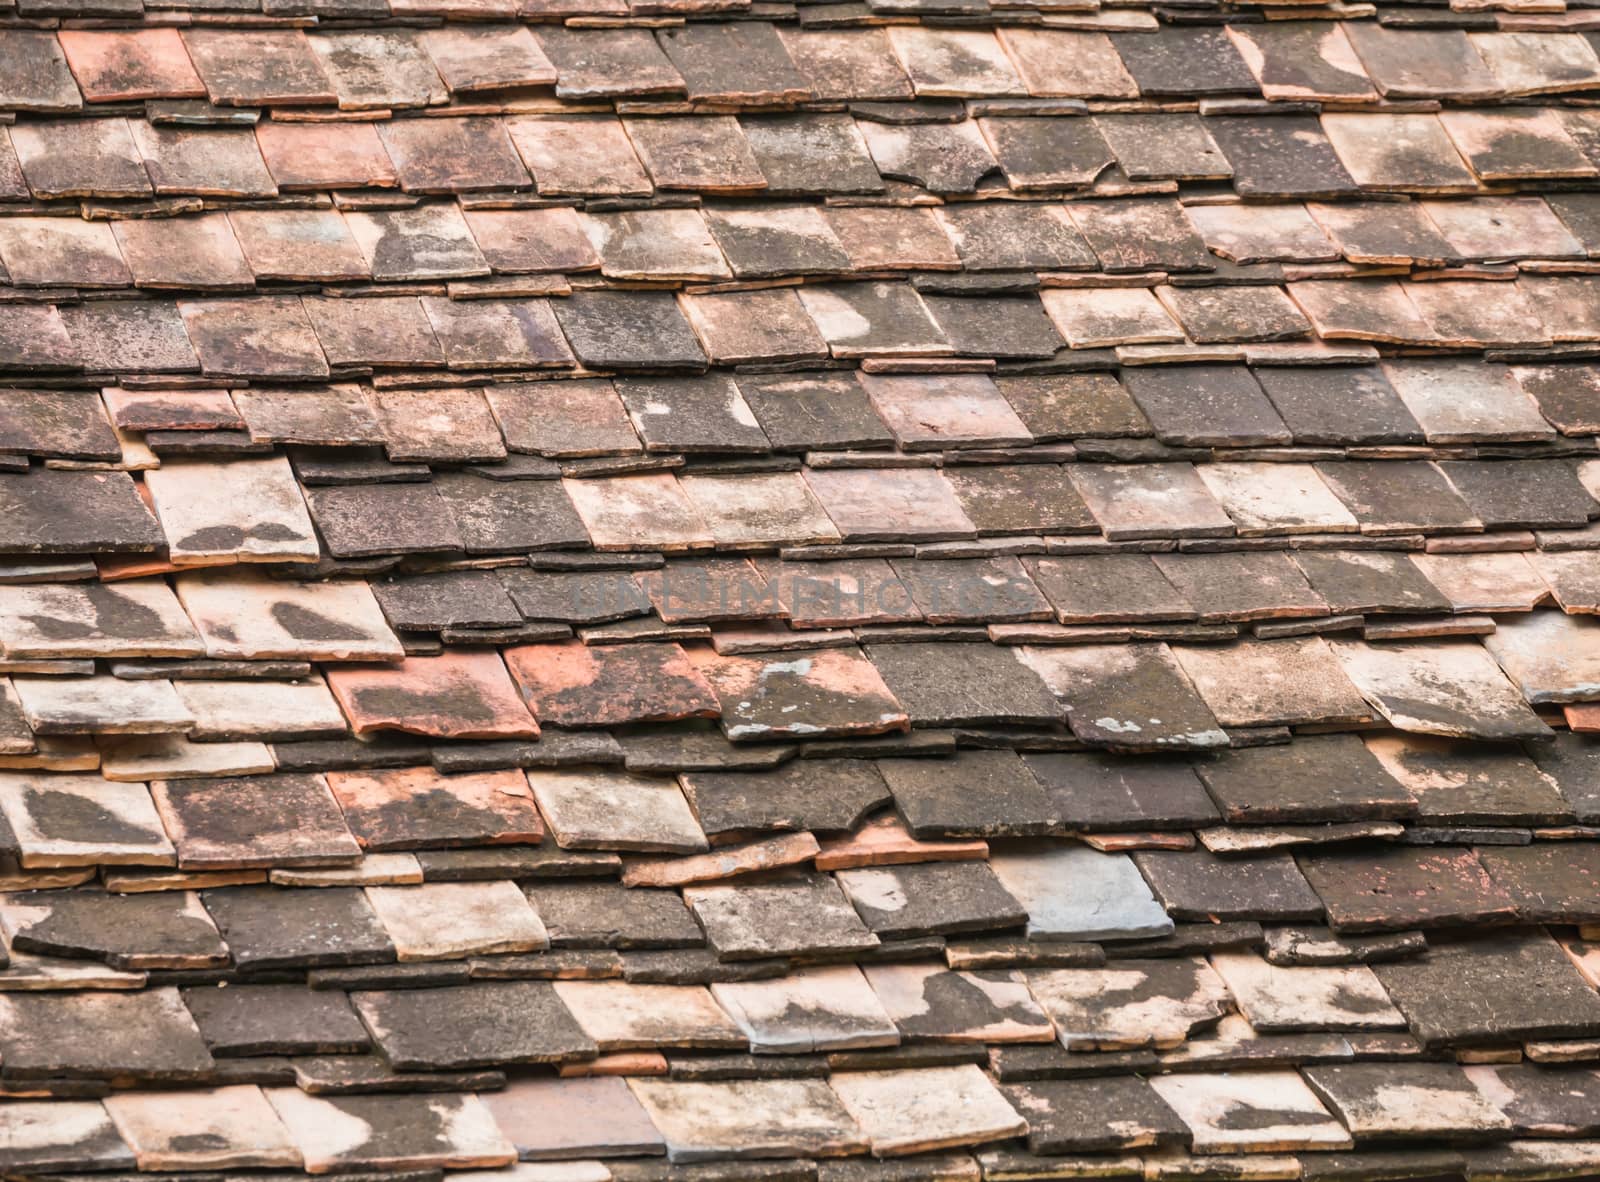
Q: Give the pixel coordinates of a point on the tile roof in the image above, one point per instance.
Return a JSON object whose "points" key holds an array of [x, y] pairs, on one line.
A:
{"points": [[863, 591]]}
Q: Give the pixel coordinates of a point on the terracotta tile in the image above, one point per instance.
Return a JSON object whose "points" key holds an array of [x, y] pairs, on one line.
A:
{"points": [[492, 57], [811, 154], [1268, 1111], [262, 709], [449, 426], [846, 63], [1505, 143], [1524, 63], [415, 808], [262, 337], [1410, 153], [249, 509], [453, 155], [1273, 683], [80, 158], [259, 67], [1105, 689], [1416, 63], [656, 244], [626, 330], [464, 695], [809, 1010], [252, 822], [961, 410], [885, 841], [754, 326], [583, 155], [622, 1016], [1095, 318], [190, 253], [1297, 62], [238, 1127], [890, 238], [627, 512], [1058, 63], [560, 1119], [593, 63], [132, 64], [1457, 785], [873, 504], [211, 163], [705, 152], [100, 704], [324, 155], [305, 245], [35, 336], [828, 691], [81, 820], [378, 69], [1284, 156], [47, 251], [383, 331], [364, 520], [770, 240], [748, 1118], [449, 920], [703, 52], [37, 74], [1150, 500], [1452, 688], [497, 334], [571, 418], [759, 511], [245, 616], [611, 810], [522, 241], [133, 619], [729, 861], [956, 63], [401, 1132], [912, 1111], [943, 158], [1251, 234], [1047, 155], [427, 242], [574, 685]]}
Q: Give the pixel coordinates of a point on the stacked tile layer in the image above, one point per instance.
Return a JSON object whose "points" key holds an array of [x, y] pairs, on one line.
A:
{"points": [[917, 590]]}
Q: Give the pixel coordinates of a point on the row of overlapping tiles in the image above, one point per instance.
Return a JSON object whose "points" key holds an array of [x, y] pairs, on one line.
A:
{"points": [[1142, 238], [289, 337], [890, 1114], [760, 63]]}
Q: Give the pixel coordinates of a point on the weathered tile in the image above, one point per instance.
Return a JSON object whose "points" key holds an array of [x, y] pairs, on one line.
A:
{"points": [[378, 332], [1406, 1100], [814, 1009], [82, 820], [98, 1034], [219, 1128], [558, 1119], [64, 1134], [656, 245], [610, 810], [246, 1020], [453, 155], [1315, 778], [210, 163], [986, 591], [462, 695], [622, 1016], [890, 505], [1463, 784], [483, 1024], [249, 509], [495, 516], [1403, 152], [704, 51], [46, 251], [1294, 681], [744, 1119], [1266, 1111], [416, 1132], [262, 337], [241, 615], [100, 704], [1106, 792], [449, 920], [1196, 885], [960, 684], [873, 319], [425, 242], [1537, 64], [1132, 1003], [1047, 155], [1417, 63], [1282, 156], [629, 330], [627, 512], [116, 334], [140, 618], [934, 411], [1094, 1115], [522, 241], [979, 794], [573, 685], [751, 921], [1292, 999], [912, 1111], [195, 253], [488, 57], [825, 796], [579, 155], [1076, 893], [812, 693], [161, 930], [593, 914], [378, 69], [846, 63], [1132, 697], [1136, 501], [754, 326], [323, 155], [38, 73], [570, 418], [243, 69], [1399, 888], [1547, 880], [1509, 143], [595, 63], [1061, 63], [1453, 689], [80, 158], [1205, 405], [1001, 236], [253, 822], [956, 63], [930, 898], [416, 808]]}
